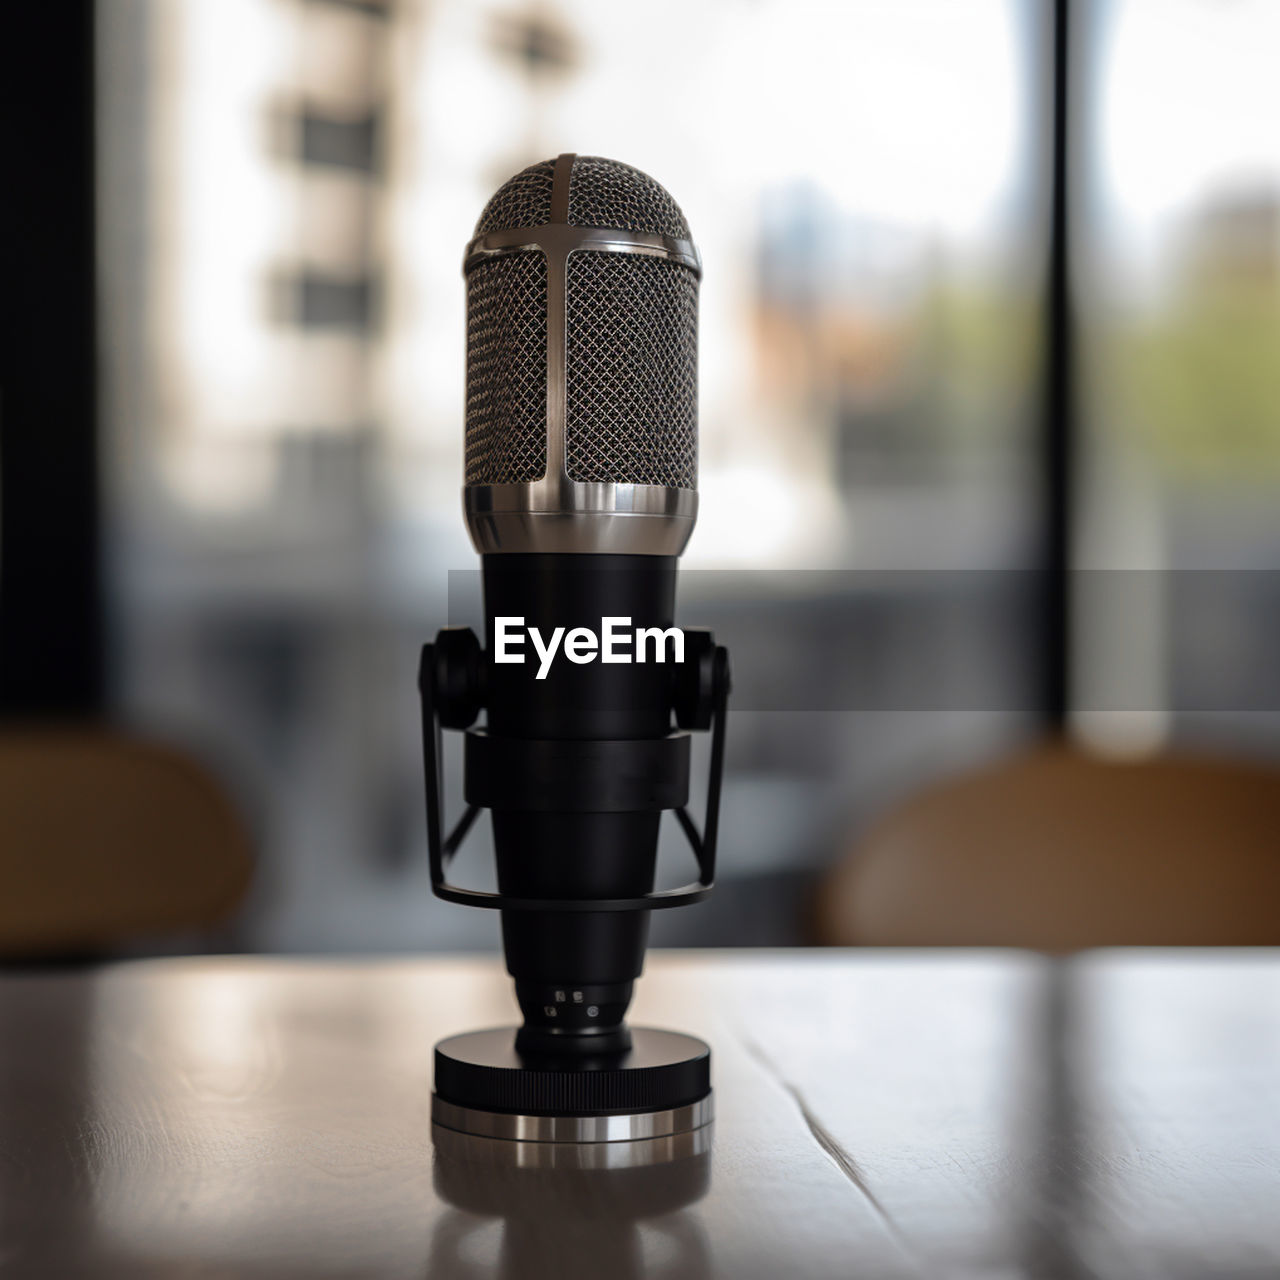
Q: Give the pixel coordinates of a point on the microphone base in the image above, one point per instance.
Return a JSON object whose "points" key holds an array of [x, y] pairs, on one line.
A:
{"points": [[659, 1087]]}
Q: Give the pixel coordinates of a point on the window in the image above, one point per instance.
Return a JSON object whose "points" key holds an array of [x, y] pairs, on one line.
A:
{"points": [[287, 188]]}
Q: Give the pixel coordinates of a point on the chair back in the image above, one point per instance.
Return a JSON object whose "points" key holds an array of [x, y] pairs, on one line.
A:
{"points": [[104, 838], [1058, 850]]}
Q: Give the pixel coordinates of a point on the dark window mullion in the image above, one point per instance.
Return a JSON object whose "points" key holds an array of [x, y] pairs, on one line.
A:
{"points": [[50, 586], [1058, 420]]}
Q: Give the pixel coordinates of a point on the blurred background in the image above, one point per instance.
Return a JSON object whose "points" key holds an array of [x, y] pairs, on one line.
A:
{"points": [[990, 397]]}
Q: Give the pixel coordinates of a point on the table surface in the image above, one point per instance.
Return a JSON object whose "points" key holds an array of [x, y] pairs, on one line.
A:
{"points": [[967, 1114]]}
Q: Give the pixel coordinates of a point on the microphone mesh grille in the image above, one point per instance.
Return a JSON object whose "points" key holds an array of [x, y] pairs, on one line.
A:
{"points": [[607, 193], [631, 370], [506, 436], [631, 340], [522, 201]]}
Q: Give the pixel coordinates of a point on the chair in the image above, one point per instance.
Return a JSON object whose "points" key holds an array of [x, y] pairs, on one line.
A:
{"points": [[1058, 850], [104, 839]]}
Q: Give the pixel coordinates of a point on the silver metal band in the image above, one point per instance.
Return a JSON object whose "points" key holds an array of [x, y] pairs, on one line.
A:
{"points": [[558, 240], [563, 515], [628, 1128], [556, 513], [482, 1154]]}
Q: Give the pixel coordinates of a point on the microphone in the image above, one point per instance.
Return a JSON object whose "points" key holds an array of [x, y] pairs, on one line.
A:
{"points": [[580, 493]]}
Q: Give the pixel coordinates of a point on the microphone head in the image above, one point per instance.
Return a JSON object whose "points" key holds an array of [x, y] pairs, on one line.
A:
{"points": [[581, 407]]}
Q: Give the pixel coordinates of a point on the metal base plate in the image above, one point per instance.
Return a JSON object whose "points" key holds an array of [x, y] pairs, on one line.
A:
{"points": [[660, 1086], [628, 1128]]}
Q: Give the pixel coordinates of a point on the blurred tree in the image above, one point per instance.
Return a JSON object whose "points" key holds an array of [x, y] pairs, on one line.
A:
{"points": [[982, 348], [1199, 377]]}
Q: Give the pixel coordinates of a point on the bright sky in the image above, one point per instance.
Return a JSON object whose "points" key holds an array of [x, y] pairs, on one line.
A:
{"points": [[909, 111], [1188, 101]]}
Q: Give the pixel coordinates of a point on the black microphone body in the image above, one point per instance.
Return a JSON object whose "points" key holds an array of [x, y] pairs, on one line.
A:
{"points": [[574, 972]]}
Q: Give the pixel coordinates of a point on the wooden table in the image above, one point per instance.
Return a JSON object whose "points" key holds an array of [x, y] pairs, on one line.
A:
{"points": [[878, 1115]]}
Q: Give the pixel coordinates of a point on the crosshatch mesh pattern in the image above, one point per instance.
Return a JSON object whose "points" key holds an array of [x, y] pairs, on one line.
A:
{"points": [[632, 370], [506, 437], [522, 201], [608, 193]]}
